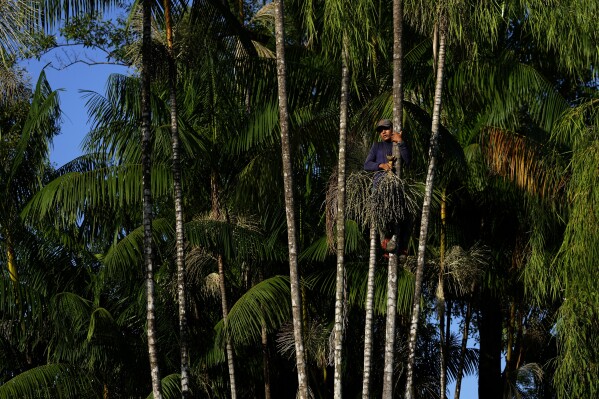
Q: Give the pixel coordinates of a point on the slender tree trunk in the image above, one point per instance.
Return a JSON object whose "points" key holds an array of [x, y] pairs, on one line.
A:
{"points": [[425, 213], [265, 352], [460, 375], [369, 314], [296, 304], [509, 356], [390, 327], [225, 309], [435, 45], [441, 300], [11, 260], [146, 164], [340, 283], [217, 214], [397, 75], [178, 199], [266, 362], [392, 271], [519, 345], [490, 332]]}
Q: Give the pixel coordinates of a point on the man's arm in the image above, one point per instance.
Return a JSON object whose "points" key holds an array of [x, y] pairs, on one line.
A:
{"points": [[404, 152], [371, 165]]}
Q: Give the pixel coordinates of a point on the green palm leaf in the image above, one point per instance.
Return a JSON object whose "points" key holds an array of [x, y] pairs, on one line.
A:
{"points": [[49, 381], [266, 304], [73, 193], [125, 257], [171, 387]]}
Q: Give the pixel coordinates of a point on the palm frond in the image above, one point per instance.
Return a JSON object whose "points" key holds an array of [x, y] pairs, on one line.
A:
{"points": [[317, 251], [266, 304], [49, 381], [125, 257], [531, 167], [171, 387], [70, 195], [39, 128], [233, 239], [465, 269]]}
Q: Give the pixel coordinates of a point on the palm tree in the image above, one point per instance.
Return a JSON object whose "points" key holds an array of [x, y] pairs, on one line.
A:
{"points": [[24, 159], [296, 303], [18, 22], [335, 32], [340, 292], [393, 259], [426, 206], [178, 199], [146, 165]]}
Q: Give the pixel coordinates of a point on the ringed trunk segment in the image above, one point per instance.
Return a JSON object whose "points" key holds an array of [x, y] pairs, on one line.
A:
{"points": [[178, 199], [340, 293], [433, 150], [296, 303], [146, 139]]}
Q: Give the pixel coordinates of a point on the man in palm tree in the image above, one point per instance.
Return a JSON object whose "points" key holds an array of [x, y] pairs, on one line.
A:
{"points": [[380, 159]]}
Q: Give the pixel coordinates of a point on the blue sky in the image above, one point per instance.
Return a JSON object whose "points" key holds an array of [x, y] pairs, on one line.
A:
{"points": [[71, 81]]}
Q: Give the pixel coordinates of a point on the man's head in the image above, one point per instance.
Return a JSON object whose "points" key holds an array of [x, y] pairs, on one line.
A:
{"points": [[385, 129]]}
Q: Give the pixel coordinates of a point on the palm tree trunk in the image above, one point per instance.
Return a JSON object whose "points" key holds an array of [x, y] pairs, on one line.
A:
{"points": [[11, 261], [265, 351], [392, 272], [178, 197], [216, 214], [296, 304], [146, 164], [266, 362], [490, 333], [426, 212], [369, 314], [458, 380], [441, 300], [340, 283], [225, 309], [397, 75], [390, 327], [509, 355]]}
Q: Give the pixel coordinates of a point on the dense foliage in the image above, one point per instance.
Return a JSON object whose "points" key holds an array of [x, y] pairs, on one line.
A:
{"points": [[513, 225]]}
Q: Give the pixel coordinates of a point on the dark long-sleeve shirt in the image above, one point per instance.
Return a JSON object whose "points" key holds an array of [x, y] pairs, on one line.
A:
{"points": [[378, 155]]}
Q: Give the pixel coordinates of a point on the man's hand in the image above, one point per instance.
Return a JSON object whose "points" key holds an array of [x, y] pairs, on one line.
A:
{"points": [[385, 166], [397, 137]]}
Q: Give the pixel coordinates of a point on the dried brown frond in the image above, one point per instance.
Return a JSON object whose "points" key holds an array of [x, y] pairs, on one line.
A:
{"points": [[526, 163]]}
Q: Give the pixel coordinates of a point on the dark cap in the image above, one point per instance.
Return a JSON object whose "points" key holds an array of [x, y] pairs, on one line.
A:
{"points": [[384, 123]]}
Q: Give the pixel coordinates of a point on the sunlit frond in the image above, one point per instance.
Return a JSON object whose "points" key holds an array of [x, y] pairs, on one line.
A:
{"points": [[74, 192], [532, 167], [18, 21]]}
